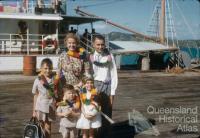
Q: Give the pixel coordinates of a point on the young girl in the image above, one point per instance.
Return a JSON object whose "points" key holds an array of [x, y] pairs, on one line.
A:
{"points": [[90, 117], [44, 96], [69, 111]]}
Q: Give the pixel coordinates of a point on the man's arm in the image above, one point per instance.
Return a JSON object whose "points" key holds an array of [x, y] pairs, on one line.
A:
{"points": [[114, 79]]}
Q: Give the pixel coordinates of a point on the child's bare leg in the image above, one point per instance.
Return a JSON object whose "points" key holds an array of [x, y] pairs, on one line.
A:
{"points": [[91, 133], [66, 134], [84, 133], [48, 129], [42, 125], [72, 132]]}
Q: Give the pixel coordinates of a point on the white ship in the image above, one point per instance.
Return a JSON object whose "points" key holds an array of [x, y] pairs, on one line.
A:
{"points": [[34, 28], [37, 28]]}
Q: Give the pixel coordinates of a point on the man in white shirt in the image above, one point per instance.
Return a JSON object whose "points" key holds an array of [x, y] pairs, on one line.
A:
{"points": [[105, 74]]}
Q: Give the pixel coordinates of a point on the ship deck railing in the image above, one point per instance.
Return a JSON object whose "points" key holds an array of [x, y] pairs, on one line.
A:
{"points": [[12, 44], [20, 7], [15, 44]]}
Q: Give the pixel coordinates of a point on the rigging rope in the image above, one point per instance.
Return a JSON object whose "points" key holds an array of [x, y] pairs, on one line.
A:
{"points": [[190, 29], [174, 29], [151, 18], [166, 24]]}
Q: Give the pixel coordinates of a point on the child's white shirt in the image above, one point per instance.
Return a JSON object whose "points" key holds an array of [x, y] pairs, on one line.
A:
{"points": [[105, 74]]}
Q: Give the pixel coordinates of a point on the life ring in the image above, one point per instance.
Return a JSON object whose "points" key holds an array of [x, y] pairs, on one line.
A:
{"points": [[50, 43]]}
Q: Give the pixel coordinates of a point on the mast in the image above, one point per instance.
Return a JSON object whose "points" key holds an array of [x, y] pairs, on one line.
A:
{"points": [[162, 22]]}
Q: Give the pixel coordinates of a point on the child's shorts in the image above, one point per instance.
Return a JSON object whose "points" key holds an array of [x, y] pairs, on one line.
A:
{"points": [[45, 116]]}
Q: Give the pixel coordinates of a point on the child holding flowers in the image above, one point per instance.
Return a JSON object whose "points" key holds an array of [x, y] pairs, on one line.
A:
{"points": [[45, 94], [68, 110], [90, 116]]}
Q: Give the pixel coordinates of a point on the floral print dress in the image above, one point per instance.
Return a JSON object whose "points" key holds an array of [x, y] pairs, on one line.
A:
{"points": [[73, 69]]}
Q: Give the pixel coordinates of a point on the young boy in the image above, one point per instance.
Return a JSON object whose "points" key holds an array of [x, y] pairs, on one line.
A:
{"points": [[68, 110], [104, 73], [105, 77], [44, 101]]}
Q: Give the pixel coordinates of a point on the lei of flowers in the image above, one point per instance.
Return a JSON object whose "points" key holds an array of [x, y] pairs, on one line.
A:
{"points": [[66, 103], [51, 87], [74, 103], [79, 53], [83, 96], [107, 59]]}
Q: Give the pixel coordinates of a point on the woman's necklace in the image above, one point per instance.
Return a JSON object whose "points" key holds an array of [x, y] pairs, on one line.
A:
{"points": [[79, 53]]}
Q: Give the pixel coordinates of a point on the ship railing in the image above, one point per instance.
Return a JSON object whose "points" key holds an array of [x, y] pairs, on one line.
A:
{"points": [[13, 44], [86, 42], [20, 7]]}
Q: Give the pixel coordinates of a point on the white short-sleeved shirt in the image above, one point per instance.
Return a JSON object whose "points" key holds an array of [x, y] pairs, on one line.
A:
{"points": [[44, 101]]}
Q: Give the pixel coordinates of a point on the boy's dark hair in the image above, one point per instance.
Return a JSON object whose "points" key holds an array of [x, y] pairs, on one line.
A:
{"points": [[48, 62], [67, 87], [98, 36]]}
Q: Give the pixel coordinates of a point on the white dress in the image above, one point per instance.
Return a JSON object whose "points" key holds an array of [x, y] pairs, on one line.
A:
{"points": [[84, 123]]}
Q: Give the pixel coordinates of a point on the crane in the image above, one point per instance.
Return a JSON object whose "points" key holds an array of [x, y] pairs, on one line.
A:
{"points": [[84, 13]]}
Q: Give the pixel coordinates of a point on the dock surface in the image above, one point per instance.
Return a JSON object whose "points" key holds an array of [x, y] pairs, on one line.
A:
{"points": [[136, 90]]}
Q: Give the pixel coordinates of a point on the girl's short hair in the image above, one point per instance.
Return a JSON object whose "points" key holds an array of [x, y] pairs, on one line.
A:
{"points": [[87, 79], [48, 62], [73, 36]]}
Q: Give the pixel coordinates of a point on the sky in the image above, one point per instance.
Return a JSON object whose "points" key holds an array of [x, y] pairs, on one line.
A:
{"points": [[136, 14]]}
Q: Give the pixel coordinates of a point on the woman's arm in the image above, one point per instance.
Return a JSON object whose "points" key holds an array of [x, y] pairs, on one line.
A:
{"points": [[87, 68], [114, 80]]}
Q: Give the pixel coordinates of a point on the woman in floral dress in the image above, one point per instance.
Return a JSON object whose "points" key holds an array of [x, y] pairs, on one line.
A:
{"points": [[73, 64]]}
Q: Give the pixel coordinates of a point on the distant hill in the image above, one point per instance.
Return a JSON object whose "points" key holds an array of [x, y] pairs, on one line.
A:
{"points": [[118, 36]]}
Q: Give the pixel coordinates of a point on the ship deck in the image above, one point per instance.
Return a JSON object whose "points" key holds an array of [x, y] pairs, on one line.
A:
{"points": [[136, 90]]}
